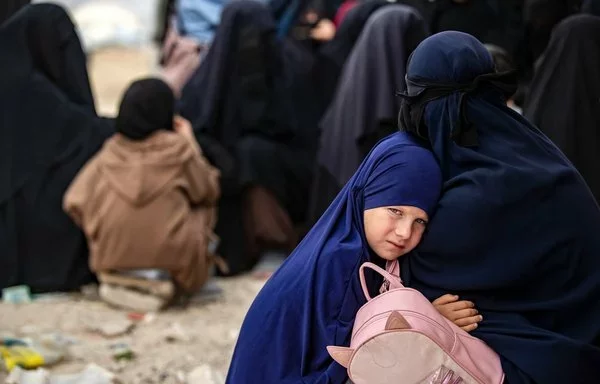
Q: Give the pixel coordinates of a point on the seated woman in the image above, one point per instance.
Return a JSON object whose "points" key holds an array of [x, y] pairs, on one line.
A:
{"points": [[311, 301], [244, 102], [332, 55], [365, 106], [564, 93], [49, 131], [516, 229]]}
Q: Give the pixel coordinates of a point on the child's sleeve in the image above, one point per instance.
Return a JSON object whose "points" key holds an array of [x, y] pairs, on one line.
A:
{"points": [[203, 179]]}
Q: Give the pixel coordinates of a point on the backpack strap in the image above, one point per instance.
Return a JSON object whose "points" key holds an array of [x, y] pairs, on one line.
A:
{"points": [[393, 267], [394, 281]]}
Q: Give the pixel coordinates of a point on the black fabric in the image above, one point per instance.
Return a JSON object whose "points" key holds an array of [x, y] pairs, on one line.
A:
{"points": [[252, 110], [539, 18], [232, 92], [333, 54], [147, 106], [591, 6], [366, 96], [56, 51], [45, 139], [10, 7], [411, 116], [564, 99]]}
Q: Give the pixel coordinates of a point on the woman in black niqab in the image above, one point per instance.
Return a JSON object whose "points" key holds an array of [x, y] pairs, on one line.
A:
{"points": [[564, 98], [365, 105], [49, 131], [251, 108]]}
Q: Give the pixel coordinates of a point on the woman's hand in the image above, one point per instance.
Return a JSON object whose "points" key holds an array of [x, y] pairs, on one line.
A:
{"points": [[323, 31], [462, 313]]}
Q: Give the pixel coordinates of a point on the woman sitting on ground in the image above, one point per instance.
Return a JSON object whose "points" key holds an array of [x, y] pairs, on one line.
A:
{"points": [[516, 229]]}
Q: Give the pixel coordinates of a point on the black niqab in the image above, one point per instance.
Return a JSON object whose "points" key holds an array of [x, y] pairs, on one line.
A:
{"points": [[46, 137], [564, 99], [231, 93], [10, 7], [366, 95], [56, 51], [147, 106], [365, 105], [333, 54]]}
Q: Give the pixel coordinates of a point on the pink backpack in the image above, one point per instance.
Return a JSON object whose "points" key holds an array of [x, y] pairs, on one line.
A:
{"points": [[399, 337]]}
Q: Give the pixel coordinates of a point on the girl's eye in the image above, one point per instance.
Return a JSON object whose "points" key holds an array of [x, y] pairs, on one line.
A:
{"points": [[421, 221], [395, 211]]}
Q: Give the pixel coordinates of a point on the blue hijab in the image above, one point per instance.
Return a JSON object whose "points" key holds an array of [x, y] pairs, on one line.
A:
{"points": [[517, 230], [311, 301]]}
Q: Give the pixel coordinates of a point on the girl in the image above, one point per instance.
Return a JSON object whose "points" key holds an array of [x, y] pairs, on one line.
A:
{"points": [[311, 301]]}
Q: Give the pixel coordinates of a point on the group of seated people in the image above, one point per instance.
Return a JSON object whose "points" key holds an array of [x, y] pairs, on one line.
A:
{"points": [[249, 138]]}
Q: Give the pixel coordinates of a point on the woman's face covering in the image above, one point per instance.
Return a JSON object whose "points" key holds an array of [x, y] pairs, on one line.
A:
{"points": [[394, 231]]}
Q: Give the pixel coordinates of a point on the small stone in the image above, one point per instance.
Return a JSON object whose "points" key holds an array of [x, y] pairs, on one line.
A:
{"points": [[201, 375], [176, 333], [113, 328]]}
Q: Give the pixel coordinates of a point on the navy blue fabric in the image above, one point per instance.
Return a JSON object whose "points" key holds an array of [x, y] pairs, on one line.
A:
{"points": [[311, 301], [516, 230]]}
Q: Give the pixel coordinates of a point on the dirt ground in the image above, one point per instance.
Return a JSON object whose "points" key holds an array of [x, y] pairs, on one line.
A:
{"points": [[207, 332]]}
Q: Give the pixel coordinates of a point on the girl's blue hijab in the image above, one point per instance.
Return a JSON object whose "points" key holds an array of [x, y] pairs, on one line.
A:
{"points": [[517, 230], [311, 301]]}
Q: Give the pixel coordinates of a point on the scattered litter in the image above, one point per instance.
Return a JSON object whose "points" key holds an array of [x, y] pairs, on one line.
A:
{"points": [[91, 374], [22, 376], [130, 299], [201, 375], [112, 328], [30, 356], [9, 341], [19, 294], [53, 297], [122, 351], [136, 316], [90, 292], [176, 333], [149, 318]]}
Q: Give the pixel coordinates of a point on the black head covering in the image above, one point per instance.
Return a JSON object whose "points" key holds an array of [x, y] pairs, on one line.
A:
{"points": [[46, 40], [564, 99], [366, 93], [365, 100], [225, 98], [19, 99], [591, 7], [46, 137], [540, 17], [147, 106], [10, 7], [333, 54]]}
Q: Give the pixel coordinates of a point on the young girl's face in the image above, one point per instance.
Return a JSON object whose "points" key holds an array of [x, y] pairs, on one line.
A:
{"points": [[394, 231]]}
